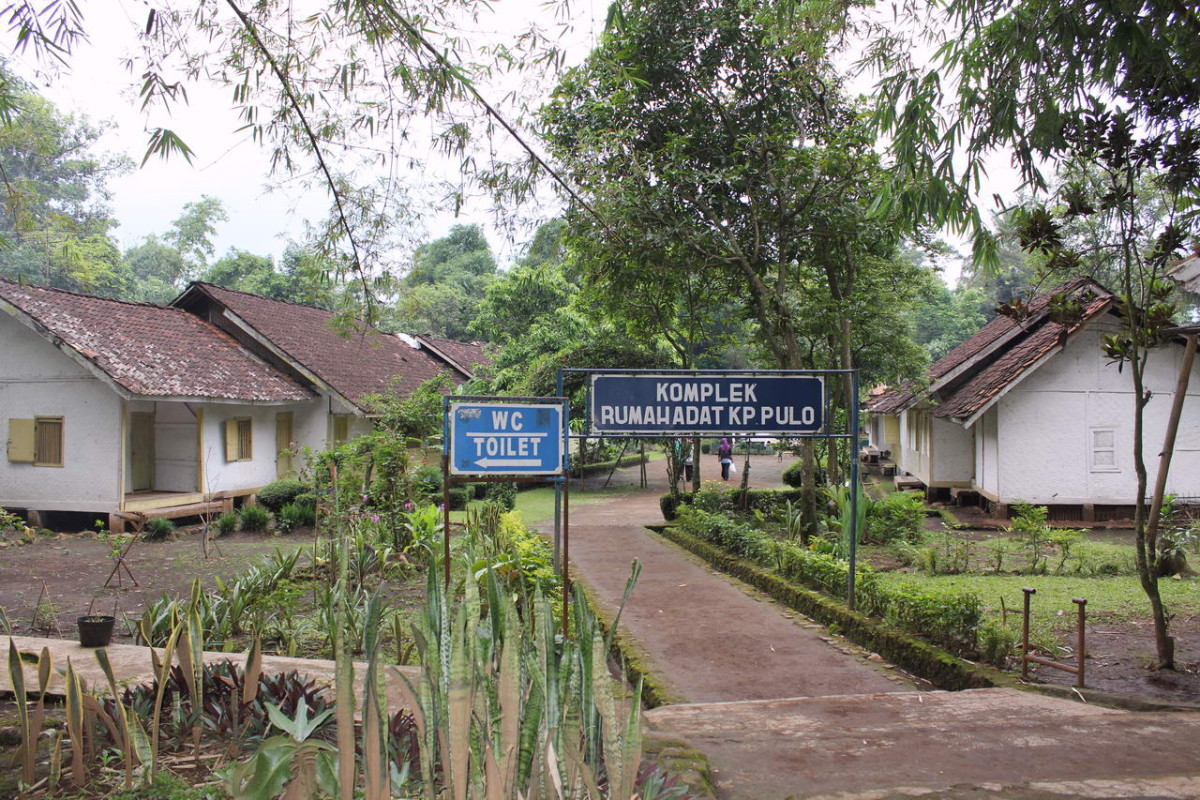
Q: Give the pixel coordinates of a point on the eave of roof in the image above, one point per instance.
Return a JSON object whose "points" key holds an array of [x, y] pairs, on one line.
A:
{"points": [[143, 350]]}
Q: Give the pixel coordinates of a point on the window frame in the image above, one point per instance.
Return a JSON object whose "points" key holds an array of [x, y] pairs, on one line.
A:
{"points": [[233, 436], [38, 423], [1093, 450]]}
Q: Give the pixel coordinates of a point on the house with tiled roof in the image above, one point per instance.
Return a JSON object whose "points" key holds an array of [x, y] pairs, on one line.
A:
{"points": [[120, 408], [1030, 409], [346, 366]]}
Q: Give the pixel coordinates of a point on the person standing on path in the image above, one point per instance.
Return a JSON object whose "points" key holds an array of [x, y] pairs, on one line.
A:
{"points": [[725, 456]]}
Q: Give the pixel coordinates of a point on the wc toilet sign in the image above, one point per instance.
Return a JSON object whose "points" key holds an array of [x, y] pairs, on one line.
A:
{"points": [[497, 438]]}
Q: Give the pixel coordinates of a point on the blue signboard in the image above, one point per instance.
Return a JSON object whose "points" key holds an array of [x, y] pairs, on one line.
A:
{"points": [[703, 405], [496, 438]]}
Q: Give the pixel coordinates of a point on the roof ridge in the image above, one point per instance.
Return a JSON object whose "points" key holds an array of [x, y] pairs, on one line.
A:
{"points": [[256, 296], [86, 295]]}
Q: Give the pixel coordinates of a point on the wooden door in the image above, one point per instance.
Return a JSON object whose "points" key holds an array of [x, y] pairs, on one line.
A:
{"points": [[283, 444], [141, 452]]}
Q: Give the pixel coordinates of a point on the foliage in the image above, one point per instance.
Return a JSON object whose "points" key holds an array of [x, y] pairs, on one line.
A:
{"points": [[948, 617], [227, 522], [297, 514], [56, 217], [277, 493], [502, 494], [900, 515], [254, 517], [159, 528], [996, 642]]}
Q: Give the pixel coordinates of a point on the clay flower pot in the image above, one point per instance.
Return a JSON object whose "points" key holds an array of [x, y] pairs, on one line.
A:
{"points": [[95, 630]]}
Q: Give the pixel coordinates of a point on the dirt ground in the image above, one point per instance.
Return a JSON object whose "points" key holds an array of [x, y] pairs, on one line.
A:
{"points": [[73, 569]]}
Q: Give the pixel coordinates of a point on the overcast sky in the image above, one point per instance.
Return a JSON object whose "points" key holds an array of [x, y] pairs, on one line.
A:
{"points": [[227, 165], [263, 215]]}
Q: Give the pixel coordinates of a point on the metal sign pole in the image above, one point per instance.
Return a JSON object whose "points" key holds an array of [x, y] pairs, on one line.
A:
{"points": [[854, 533], [446, 492], [566, 556]]}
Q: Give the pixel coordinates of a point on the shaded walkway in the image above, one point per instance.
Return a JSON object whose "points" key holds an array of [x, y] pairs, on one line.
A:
{"points": [[705, 635]]}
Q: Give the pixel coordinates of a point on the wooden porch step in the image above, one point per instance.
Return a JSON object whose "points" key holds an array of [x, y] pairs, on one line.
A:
{"points": [[908, 482]]}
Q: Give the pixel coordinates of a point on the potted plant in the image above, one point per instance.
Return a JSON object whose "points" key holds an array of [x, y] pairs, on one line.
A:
{"points": [[95, 630]]}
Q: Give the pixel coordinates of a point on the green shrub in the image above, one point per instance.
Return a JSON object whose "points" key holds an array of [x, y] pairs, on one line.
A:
{"points": [[949, 617], [297, 514], [278, 493], [427, 482], [502, 494], [226, 523], [159, 528], [793, 474], [254, 518], [900, 515], [478, 490], [459, 495], [714, 497], [996, 643]]}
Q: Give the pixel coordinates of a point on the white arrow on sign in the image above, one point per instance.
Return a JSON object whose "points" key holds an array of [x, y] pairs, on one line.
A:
{"points": [[508, 462]]}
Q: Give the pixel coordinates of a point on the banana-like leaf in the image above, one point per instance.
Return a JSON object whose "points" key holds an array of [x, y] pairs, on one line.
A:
{"points": [[460, 701], [162, 668], [552, 770], [606, 704], [29, 737], [55, 777], [252, 672], [344, 692], [74, 690], [631, 746], [375, 745], [123, 714], [509, 697]]}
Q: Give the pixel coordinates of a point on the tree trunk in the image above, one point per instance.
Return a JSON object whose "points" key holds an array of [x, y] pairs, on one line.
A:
{"points": [[808, 488]]}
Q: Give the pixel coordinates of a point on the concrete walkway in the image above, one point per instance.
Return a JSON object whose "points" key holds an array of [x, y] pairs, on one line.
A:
{"points": [[781, 709], [707, 637]]}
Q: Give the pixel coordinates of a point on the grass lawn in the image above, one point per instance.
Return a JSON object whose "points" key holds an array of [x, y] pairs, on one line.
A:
{"points": [[1112, 599]]}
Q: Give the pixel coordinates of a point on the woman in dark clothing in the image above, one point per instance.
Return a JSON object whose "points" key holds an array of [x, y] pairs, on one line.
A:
{"points": [[725, 456]]}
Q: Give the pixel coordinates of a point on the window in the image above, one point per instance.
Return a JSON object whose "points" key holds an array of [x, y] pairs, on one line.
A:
{"points": [[37, 441], [341, 428], [1104, 450], [238, 439], [48, 442]]}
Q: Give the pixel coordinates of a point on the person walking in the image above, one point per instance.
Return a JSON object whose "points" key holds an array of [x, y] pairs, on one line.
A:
{"points": [[725, 456]]}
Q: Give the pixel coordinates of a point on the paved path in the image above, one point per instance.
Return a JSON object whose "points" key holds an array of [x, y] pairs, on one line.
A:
{"points": [[996, 742], [708, 637], [783, 710]]}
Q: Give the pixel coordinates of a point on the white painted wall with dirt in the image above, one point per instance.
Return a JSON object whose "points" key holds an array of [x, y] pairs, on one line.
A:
{"points": [[1066, 431], [36, 379]]}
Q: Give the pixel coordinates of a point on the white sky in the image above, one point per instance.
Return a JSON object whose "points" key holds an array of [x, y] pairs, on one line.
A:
{"points": [[263, 214], [228, 166]]}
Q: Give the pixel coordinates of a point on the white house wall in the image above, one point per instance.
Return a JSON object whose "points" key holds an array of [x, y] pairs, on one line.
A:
{"points": [[916, 444], [308, 428], [987, 455], [1046, 426], [36, 379], [952, 454]]}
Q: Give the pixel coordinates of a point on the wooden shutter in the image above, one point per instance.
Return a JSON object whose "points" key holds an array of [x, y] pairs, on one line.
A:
{"points": [[48, 442], [21, 448], [231, 439]]}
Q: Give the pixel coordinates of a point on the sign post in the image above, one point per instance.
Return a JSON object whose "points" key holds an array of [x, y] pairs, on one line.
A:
{"points": [[689, 403], [502, 439]]}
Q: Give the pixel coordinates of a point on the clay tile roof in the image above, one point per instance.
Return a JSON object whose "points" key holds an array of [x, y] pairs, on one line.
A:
{"points": [[1043, 337], [152, 350], [355, 366], [1001, 326], [893, 401], [463, 355]]}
